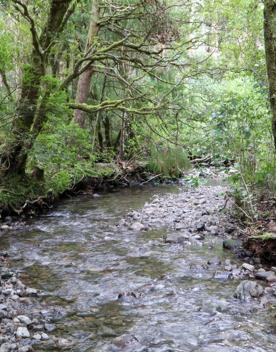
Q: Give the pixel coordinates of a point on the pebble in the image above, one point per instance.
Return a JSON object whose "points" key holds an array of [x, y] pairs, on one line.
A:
{"points": [[64, 342], [31, 291], [49, 327], [248, 267], [25, 349], [44, 336], [37, 337], [264, 275], [137, 226], [22, 332], [24, 319]]}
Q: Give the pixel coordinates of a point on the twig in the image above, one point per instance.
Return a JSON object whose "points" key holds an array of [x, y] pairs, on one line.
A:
{"points": [[150, 179]]}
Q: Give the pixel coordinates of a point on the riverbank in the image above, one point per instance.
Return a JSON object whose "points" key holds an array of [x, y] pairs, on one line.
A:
{"points": [[100, 271], [27, 197]]}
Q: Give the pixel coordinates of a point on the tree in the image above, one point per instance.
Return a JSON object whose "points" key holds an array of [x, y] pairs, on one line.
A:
{"points": [[270, 50], [84, 80], [31, 108]]}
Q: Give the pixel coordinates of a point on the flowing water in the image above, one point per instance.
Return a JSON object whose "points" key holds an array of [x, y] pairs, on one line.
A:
{"points": [[111, 289]]}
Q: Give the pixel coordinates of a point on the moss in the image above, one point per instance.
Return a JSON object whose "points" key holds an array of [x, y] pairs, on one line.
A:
{"points": [[15, 190], [265, 236]]}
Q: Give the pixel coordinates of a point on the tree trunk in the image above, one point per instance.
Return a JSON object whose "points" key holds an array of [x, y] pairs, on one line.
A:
{"points": [[106, 123], [270, 50], [84, 81]]}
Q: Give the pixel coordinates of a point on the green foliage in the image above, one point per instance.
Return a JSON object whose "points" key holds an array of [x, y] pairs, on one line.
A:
{"points": [[203, 87], [64, 153], [167, 161], [15, 191]]}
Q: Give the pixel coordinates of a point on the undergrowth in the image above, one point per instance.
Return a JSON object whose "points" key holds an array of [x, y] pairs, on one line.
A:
{"points": [[168, 161]]}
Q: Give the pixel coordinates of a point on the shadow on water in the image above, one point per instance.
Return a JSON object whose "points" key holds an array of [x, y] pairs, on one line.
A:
{"points": [[41, 277]]}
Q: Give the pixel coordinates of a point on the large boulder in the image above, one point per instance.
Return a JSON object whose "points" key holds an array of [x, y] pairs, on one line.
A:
{"points": [[248, 289]]}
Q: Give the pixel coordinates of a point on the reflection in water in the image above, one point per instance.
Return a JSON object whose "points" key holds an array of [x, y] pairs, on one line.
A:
{"points": [[115, 290]]}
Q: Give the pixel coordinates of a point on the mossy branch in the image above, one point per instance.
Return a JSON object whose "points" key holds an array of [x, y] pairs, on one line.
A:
{"points": [[114, 105]]}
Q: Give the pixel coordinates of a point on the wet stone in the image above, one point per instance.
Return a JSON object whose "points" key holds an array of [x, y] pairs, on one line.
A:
{"points": [[231, 245], [137, 226], [247, 289], [173, 297]]}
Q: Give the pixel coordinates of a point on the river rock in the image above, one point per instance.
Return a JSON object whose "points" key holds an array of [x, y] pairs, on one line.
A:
{"points": [[64, 343], [31, 291], [7, 275], [248, 267], [22, 332], [44, 336], [271, 278], [137, 226], [7, 347], [25, 349], [231, 245], [175, 238], [264, 275], [24, 319], [222, 275], [247, 289], [49, 327], [37, 337]]}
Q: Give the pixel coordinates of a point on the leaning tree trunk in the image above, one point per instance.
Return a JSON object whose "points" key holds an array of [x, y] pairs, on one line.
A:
{"points": [[84, 81], [270, 50], [31, 108]]}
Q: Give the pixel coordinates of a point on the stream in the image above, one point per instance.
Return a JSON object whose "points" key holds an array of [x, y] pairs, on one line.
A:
{"points": [[136, 270]]}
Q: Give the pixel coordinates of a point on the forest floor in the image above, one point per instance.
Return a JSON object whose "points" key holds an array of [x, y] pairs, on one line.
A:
{"points": [[163, 259]]}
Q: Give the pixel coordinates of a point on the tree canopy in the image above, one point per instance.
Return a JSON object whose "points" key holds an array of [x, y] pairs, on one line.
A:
{"points": [[89, 81]]}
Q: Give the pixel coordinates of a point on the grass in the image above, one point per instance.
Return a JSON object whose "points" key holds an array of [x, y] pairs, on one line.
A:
{"points": [[168, 161]]}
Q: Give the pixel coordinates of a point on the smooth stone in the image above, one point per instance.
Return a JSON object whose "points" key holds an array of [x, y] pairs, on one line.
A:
{"points": [[200, 227], [137, 226], [44, 336], [271, 278], [175, 238], [31, 291], [263, 275], [64, 342], [22, 332], [222, 275], [248, 267], [37, 337]]}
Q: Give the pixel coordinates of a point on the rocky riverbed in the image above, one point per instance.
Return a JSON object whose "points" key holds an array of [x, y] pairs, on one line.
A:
{"points": [[95, 276]]}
